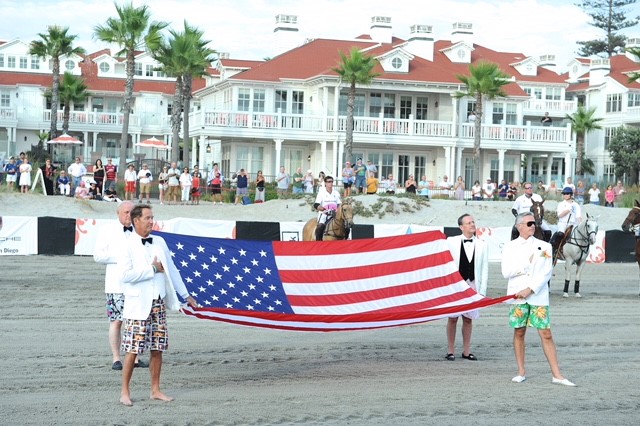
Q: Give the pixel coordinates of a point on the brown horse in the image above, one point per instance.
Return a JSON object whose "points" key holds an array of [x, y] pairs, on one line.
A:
{"points": [[338, 228], [537, 208], [632, 224]]}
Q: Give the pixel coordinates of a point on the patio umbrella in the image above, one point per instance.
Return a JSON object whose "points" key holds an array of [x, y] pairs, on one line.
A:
{"points": [[64, 140], [153, 143]]}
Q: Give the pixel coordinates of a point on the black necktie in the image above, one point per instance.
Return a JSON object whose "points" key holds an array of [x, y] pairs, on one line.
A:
{"points": [[467, 241], [127, 228], [147, 240]]}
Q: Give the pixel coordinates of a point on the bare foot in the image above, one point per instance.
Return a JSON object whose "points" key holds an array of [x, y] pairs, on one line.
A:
{"points": [[126, 400], [161, 397]]}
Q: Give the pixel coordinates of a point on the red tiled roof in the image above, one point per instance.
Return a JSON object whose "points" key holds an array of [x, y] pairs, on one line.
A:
{"points": [[317, 57], [240, 63], [621, 66]]}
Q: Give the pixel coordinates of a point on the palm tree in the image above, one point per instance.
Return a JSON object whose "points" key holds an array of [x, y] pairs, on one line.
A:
{"points": [[634, 76], [484, 82], [55, 44], [184, 56], [582, 122], [132, 30], [72, 90], [356, 68]]}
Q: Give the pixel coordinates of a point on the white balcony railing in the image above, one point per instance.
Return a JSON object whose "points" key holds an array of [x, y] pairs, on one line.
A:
{"points": [[7, 113], [553, 107]]}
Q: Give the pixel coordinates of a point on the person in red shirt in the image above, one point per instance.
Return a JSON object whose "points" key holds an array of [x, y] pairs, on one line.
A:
{"points": [[110, 173]]}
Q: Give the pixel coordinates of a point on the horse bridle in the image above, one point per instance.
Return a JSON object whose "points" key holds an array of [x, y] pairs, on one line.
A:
{"points": [[584, 248], [633, 226]]}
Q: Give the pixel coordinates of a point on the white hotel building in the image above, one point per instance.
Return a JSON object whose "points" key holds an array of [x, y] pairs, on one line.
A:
{"points": [[291, 109]]}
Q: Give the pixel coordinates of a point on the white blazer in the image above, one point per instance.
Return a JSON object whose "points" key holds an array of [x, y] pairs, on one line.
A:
{"points": [[108, 246], [480, 260], [138, 277]]}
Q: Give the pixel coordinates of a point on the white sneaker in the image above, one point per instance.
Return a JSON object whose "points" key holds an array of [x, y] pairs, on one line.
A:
{"points": [[578, 295], [519, 379], [565, 294], [564, 382]]}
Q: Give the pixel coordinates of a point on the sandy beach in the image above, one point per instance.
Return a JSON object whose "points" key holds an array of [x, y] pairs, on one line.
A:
{"points": [[55, 360]]}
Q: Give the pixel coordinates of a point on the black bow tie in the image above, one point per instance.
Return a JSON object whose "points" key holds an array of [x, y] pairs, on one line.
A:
{"points": [[127, 228], [467, 241], [147, 240]]}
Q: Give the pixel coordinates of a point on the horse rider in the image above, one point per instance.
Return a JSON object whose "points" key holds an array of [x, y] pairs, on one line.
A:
{"points": [[523, 204], [569, 215], [327, 202]]}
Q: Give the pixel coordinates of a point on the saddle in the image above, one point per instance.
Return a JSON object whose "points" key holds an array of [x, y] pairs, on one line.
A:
{"points": [[563, 241]]}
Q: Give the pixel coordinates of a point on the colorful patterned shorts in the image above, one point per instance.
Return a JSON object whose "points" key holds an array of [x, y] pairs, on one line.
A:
{"points": [[115, 305], [152, 334], [523, 315]]}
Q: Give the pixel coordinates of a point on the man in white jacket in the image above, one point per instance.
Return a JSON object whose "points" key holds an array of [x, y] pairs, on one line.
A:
{"points": [[471, 256], [527, 264], [108, 245], [150, 283]]}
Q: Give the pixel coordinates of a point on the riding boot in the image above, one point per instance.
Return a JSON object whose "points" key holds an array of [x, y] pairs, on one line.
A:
{"points": [[320, 231]]}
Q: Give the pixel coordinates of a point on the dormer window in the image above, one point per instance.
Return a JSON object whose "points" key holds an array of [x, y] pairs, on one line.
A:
{"points": [[461, 54], [396, 63], [104, 67], [69, 65]]}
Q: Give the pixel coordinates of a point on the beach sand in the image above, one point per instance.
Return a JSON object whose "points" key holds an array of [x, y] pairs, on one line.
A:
{"points": [[55, 360]]}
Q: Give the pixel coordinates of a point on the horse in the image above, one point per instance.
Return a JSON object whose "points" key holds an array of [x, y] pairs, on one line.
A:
{"points": [[337, 228], [632, 224], [576, 251], [537, 208]]}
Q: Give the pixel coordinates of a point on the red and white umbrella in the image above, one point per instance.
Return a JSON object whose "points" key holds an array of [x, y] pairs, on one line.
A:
{"points": [[64, 139], [153, 143]]}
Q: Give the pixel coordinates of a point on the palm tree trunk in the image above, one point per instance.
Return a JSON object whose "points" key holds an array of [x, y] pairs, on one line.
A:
{"points": [[65, 118], [176, 119], [580, 153], [348, 143], [186, 96], [126, 109], [477, 138], [55, 98]]}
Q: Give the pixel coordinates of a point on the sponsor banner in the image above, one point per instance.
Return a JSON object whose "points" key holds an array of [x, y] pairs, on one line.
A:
{"points": [[201, 227], [291, 231], [18, 235]]}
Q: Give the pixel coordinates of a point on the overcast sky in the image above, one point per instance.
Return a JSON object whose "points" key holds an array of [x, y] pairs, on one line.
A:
{"points": [[244, 28]]}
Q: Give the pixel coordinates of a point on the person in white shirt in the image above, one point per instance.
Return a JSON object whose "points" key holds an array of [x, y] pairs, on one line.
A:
{"points": [[145, 178], [186, 180], [389, 185], [470, 254], [523, 204], [445, 184], [76, 171], [488, 189], [527, 265], [130, 177], [173, 181], [594, 195], [327, 202], [569, 215]]}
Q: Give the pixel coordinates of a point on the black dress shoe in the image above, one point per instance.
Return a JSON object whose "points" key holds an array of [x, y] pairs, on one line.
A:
{"points": [[117, 365], [141, 364], [470, 357]]}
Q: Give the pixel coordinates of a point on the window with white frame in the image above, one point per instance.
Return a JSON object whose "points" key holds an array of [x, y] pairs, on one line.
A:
{"points": [[225, 162], [511, 114], [614, 102], [259, 96], [422, 107], [35, 62], [244, 99], [505, 112], [403, 169], [23, 62], [419, 166], [11, 61], [633, 100], [5, 100], [609, 174], [1, 60], [105, 67], [227, 99], [553, 93], [375, 104], [148, 70], [468, 172], [280, 101], [386, 167], [69, 65], [537, 92], [609, 133], [138, 69], [498, 113], [389, 106], [297, 102], [358, 105], [405, 106]]}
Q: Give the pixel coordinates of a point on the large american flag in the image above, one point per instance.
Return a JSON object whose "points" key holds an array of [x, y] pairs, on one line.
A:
{"points": [[323, 286]]}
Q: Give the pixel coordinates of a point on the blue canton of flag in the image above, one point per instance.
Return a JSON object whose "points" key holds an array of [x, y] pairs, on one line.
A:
{"points": [[233, 274]]}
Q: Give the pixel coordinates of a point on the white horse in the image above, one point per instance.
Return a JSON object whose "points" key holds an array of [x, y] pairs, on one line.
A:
{"points": [[576, 251]]}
